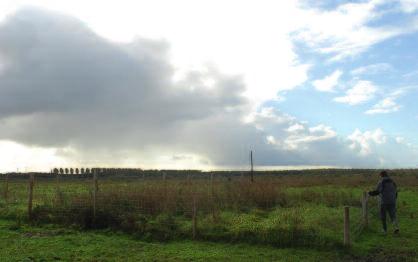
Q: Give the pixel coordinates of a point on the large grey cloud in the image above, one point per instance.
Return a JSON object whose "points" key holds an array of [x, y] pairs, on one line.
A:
{"points": [[61, 85]]}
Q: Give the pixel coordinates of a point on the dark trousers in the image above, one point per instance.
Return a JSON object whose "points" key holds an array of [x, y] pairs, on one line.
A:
{"points": [[391, 209]]}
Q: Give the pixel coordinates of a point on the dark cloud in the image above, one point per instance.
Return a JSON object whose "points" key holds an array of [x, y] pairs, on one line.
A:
{"points": [[61, 85], [60, 76]]}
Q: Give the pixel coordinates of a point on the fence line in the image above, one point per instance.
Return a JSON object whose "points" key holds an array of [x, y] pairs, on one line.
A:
{"points": [[143, 199], [363, 222]]}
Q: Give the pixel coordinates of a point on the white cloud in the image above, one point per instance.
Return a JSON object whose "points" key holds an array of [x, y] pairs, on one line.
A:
{"points": [[372, 69], [300, 141], [364, 141], [361, 92], [325, 131], [411, 74], [268, 115], [385, 106], [295, 128], [389, 104], [400, 140], [409, 6], [328, 83], [271, 140], [387, 150], [346, 31]]}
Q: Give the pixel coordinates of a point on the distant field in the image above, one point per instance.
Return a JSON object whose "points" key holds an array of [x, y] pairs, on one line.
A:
{"points": [[202, 217]]}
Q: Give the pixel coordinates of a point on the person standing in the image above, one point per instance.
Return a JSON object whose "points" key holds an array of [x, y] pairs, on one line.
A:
{"points": [[387, 191]]}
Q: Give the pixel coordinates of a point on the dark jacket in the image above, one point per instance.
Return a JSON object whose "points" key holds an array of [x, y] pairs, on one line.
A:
{"points": [[387, 191]]}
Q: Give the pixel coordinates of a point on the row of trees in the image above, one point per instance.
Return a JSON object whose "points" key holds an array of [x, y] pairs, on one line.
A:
{"points": [[82, 170]]}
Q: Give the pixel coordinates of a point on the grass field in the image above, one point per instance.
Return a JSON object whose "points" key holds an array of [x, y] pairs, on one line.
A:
{"points": [[288, 218], [51, 243]]}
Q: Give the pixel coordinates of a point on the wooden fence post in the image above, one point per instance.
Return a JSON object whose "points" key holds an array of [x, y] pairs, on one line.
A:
{"points": [[30, 197], [346, 226], [194, 217], [364, 204]]}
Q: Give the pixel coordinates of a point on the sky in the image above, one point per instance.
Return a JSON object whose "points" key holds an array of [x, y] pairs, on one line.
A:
{"points": [[192, 84]]}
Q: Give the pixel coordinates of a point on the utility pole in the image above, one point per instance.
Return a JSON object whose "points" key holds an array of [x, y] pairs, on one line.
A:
{"points": [[252, 167]]}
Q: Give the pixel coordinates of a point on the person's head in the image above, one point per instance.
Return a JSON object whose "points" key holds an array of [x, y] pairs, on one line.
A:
{"points": [[383, 173]]}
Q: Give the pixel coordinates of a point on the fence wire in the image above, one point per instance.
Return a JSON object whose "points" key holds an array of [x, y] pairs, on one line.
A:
{"points": [[194, 206]]}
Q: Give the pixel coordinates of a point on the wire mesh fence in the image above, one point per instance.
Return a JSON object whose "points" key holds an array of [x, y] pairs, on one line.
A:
{"points": [[196, 206]]}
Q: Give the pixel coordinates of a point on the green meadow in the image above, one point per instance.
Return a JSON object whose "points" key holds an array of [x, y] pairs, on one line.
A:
{"points": [[202, 218]]}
